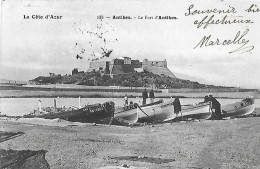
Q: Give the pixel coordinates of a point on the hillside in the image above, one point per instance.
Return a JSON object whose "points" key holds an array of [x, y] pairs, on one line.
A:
{"points": [[142, 79]]}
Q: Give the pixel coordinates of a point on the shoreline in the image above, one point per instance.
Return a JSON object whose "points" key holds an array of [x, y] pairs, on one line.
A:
{"points": [[102, 94], [73, 91]]}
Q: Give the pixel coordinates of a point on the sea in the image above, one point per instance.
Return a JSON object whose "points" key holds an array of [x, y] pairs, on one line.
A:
{"points": [[22, 106]]}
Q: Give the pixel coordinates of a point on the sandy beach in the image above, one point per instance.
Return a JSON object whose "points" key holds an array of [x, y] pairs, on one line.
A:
{"points": [[232, 143]]}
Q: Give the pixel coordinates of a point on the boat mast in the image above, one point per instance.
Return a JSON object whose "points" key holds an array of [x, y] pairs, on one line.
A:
{"points": [[40, 105], [79, 102], [55, 104]]}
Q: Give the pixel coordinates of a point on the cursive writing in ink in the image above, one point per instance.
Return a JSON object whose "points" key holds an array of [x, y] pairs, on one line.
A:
{"points": [[238, 40]]}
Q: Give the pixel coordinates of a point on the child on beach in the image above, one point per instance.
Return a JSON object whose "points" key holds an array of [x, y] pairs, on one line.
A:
{"points": [[126, 100]]}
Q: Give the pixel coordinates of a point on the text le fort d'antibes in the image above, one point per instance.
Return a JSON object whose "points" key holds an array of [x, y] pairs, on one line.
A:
{"points": [[144, 17]]}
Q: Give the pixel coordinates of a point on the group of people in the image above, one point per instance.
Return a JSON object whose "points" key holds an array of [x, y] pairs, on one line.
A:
{"points": [[144, 96], [215, 105]]}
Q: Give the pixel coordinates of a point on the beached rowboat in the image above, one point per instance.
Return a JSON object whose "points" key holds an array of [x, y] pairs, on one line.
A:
{"points": [[197, 111], [244, 107], [130, 113], [95, 113], [164, 112], [157, 113]]}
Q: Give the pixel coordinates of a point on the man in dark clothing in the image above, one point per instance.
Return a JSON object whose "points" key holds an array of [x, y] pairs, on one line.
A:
{"points": [[206, 99], [145, 96], [151, 95], [177, 105], [215, 105]]}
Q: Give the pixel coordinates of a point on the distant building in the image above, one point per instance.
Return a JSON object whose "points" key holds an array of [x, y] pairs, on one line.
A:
{"points": [[157, 67], [75, 71], [52, 74], [126, 65]]}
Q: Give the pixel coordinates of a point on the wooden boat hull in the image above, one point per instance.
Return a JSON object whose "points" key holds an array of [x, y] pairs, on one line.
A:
{"points": [[257, 112], [198, 111], [157, 113], [244, 107], [130, 114], [91, 114]]}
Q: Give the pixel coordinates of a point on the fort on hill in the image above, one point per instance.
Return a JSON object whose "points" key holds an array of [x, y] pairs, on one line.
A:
{"points": [[126, 65], [126, 72]]}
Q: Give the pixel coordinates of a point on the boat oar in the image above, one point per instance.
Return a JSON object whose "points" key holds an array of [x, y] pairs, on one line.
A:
{"points": [[187, 105], [147, 114], [112, 118]]}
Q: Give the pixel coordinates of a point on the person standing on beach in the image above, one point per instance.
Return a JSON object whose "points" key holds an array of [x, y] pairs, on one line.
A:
{"points": [[145, 96], [177, 105], [126, 100], [151, 95], [216, 108]]}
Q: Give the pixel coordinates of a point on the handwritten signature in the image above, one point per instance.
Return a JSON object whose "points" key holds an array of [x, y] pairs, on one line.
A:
{"points": [[238, 40]]}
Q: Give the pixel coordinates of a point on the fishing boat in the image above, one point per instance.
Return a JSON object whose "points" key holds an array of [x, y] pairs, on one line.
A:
{"points": [[197, 111], [244, 107], [130, 113], [157, 113], [95, 113]]}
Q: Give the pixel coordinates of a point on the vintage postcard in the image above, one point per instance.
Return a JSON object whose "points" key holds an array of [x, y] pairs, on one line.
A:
{"points": [[129, 84]]}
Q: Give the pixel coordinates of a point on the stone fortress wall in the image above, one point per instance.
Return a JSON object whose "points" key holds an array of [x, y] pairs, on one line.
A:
{"points": [[157, 67], [126, 65], [101, 65], [147, 62]]}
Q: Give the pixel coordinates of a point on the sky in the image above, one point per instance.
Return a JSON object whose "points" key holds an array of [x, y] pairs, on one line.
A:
{"points": [[36, 47]]}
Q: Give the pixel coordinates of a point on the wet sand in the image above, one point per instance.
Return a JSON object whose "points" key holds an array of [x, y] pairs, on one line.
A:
{"points": [[232, 143]]}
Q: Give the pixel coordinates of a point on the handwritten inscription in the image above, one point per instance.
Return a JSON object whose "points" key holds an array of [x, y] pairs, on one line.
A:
{"points": [[253, 8], [226, 16], [224, 21], [209, 11], [212, 20], [239, 39]]}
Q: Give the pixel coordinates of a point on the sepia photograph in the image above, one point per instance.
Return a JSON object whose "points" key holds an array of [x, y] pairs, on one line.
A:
{"points": [[138, 84]]}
